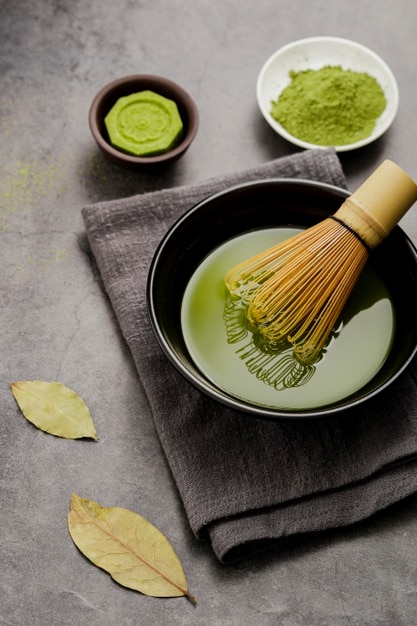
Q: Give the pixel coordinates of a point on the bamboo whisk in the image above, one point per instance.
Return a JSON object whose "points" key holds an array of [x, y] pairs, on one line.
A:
{"points": [[297, 289]]}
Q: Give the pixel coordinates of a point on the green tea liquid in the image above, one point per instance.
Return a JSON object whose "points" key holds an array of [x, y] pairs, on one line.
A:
{"points": [[352, 357]]}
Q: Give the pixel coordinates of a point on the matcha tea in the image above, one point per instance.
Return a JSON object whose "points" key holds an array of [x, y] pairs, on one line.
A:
{"points": [[230, 355]]}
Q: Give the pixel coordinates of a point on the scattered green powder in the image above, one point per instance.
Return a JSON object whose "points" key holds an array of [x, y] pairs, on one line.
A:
{"points": [[31, 266], [26, 184], [330, 106]]}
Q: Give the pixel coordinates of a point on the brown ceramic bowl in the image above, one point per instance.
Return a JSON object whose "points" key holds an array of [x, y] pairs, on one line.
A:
{"points": [[108, 96]]}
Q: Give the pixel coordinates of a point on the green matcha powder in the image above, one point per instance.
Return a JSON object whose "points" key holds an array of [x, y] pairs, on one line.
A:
{"points": [[330, 106]]}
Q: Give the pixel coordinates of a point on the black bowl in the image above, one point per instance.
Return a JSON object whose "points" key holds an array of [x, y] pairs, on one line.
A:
{"points": [[266, 204]]}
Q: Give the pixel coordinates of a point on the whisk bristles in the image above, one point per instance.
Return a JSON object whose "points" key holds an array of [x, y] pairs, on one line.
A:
{"points": [[289, 292], [297, 289]]}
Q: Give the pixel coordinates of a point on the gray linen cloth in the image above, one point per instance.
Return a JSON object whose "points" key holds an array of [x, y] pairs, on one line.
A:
{"points": [[247, 483]]}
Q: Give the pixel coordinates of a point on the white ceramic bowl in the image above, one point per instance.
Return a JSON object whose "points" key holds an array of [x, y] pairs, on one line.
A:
{"points": [[315, 53]]}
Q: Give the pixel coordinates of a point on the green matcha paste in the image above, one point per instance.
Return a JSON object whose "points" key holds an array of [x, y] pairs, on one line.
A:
{"points": [[330, 106]]}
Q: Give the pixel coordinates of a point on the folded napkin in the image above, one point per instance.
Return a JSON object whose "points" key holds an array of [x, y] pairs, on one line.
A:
{"points": [[247, 483]]}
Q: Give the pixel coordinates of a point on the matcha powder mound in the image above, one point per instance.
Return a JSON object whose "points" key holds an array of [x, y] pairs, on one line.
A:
{"points": [[330, 106]]}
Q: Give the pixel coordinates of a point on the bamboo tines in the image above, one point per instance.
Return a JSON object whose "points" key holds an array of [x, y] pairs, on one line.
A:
{"points": [[242, 279], [302, 302], [296, 290]]}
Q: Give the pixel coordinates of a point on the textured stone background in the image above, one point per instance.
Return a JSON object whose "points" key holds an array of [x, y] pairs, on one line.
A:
{"points": [[56, 323]]}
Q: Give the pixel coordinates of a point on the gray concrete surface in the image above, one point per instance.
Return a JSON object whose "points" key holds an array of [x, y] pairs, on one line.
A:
{"points": [[56, 323]]}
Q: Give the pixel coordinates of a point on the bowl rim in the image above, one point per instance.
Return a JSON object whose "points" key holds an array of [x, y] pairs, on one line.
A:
{"points": [[186, 101], [210, 389], [393, 96]]}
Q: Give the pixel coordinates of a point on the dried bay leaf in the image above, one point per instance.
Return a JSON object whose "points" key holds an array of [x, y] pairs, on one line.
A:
{"points": [[54, 408], [123, 543]]}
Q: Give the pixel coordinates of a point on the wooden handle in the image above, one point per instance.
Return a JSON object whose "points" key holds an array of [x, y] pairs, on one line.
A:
{"points": [[379, 203]]}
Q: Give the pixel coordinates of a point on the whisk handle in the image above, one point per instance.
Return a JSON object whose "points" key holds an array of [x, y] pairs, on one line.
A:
{"points": [[379, 203]]}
